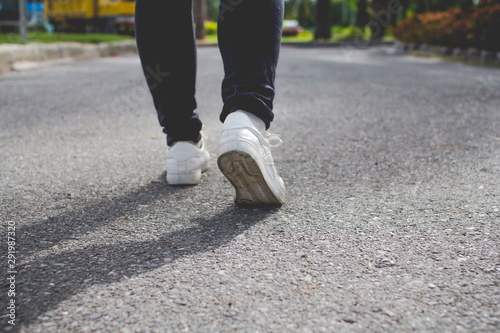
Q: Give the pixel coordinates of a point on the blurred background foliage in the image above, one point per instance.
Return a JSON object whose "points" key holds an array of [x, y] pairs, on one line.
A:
{"points": [[458, 23], [450, 23], [462, 27]]}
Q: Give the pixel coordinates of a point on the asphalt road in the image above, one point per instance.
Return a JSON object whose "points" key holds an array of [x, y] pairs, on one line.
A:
{"points": [[392, 165]]}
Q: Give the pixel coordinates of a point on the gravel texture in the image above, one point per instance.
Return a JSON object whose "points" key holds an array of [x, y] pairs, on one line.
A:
{"points": [[392, 165]]}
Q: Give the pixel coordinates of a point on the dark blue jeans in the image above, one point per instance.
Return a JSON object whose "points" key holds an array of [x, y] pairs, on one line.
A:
{"points": [[249, 33]]}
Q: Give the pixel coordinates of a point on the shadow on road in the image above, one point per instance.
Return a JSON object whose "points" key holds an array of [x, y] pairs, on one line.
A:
{"points": [[50, 280]]}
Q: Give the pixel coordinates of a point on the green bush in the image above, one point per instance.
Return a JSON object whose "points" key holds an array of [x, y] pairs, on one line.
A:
{"points": [[211, 28], [454, 28]]}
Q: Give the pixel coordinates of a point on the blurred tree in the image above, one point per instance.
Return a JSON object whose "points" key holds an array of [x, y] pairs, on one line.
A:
{"points": [[487, 2], [212, 10], [362, 16], [405, 4], [338, 15], [380, 18], [322, 19], [440, 5], [467, 5], [421, 6], [200, 15], [300, 10], [305, 14], [290, 9]]}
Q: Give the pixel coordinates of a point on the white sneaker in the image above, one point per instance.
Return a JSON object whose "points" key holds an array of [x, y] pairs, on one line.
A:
{"points": [[186, 161], [245, 159]]}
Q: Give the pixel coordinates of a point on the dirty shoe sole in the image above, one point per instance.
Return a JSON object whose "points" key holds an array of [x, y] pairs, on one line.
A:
{"points": [[243, 172]]}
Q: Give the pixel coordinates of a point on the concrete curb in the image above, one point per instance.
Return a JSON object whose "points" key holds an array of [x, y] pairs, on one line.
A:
{"points": [[471, 55], [14, 57]]}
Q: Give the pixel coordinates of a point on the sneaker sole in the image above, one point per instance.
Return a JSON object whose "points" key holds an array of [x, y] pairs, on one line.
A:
{"points": [[186, 178], [243, 172]]}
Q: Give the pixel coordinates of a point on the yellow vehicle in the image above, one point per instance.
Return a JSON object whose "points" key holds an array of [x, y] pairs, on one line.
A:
{"points": [[111, 16]]}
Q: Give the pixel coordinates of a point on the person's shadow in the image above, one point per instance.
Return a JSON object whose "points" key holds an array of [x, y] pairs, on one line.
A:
{"points": [[46, 282]]}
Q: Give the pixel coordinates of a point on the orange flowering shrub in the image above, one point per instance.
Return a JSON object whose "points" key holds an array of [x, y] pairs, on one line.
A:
{"points": [[454, 28]]}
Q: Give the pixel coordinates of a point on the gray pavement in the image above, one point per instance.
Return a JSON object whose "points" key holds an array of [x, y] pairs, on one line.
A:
{"points": [[392, 165]]}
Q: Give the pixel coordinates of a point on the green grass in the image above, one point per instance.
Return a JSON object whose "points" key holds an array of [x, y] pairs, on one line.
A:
{"points": [[305, 36], [338, 34], [43, 37], [209, 39], [349, 33]]}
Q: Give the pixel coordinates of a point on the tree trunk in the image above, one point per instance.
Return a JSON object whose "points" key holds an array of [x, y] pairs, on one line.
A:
{"points": [[323, 23], [380, 18], [404, 8], [421, 6], [362, 16], [200, 15], [305, 14]]}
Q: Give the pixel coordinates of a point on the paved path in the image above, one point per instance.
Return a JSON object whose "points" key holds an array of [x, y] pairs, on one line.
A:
{"points": [[392, 165]]}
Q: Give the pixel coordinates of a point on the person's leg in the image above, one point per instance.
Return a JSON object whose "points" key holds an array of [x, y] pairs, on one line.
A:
{"points": [[249, 33], [249, 39], [165, 39], [166, 43]]}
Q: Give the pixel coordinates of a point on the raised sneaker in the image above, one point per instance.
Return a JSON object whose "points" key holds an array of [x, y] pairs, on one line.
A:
{"points": [[186, 161], [245, 160]]}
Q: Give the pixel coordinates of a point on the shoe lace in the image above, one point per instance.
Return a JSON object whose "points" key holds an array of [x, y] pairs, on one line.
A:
{"points": [[203, 135], [274, 140]]}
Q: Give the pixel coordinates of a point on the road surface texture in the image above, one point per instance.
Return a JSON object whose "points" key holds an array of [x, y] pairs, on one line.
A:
{"points": [[392, 166]]}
